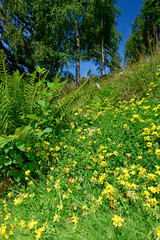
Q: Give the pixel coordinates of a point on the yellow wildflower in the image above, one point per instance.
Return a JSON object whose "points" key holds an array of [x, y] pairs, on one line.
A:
{"points": [[27, 172], [7, 217], [59, 207], [28, 149], [30, 183], [157, 152], [46, 143], [57, 148], [149, 144], [135, 116], [56, 185], [153, 189], [3, 228], [39, 232], [117, 221], [17, 201], [74, 219], [158, 232], [32, 224], [99, 200], [22, 224], [56, 218], [9, 194]]}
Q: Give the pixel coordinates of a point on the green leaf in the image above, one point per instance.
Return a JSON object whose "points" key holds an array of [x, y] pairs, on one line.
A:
{"points": [[19, 159], [13, 153], [38, 134], [53, 86], [6, 150], [38, 69], [50, 85], [20, 145], [41, 70], [33, 117], [42, 103], [45, 93], [39, 83], [8, 147], [8, 162], [47, 130]]}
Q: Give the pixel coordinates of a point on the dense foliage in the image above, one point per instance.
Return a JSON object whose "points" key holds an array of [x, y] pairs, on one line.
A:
{"points": [[16, 35], [97, 177], [145, 31], [77, 162], [51, 33]]}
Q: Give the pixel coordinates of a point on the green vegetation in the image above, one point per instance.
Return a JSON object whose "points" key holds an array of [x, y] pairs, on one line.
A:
{"points": [[91, 171], [78, 161], [145, 31], [51, 34]]}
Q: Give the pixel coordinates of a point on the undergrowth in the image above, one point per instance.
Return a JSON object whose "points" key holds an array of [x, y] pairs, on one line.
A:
{"points": [[97, 176]]}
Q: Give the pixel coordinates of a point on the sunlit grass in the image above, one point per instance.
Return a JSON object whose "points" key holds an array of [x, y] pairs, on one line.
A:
{"points": [[103, 180]]}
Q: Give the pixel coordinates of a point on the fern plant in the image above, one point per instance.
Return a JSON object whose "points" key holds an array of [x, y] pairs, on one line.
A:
{"points": [[19, 95], [25, 101], [67, 104]]}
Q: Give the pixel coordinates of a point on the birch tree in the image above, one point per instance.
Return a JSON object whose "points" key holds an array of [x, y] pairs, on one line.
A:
{"points": [[102, 37]]}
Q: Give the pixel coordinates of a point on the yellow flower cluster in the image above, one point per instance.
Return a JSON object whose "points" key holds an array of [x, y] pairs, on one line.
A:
{"points": [[117, 221]]}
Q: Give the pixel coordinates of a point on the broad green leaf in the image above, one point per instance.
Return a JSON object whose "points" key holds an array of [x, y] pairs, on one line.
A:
{"points": [[53, 86], [39, 83], [33, 117], [38, 134], [47, 130], [38, 69], [8, 147], [42, 103], [8, 162], [20, 145]]}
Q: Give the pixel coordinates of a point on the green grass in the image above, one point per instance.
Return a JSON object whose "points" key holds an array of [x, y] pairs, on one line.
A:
{"points": [[103, 167]]}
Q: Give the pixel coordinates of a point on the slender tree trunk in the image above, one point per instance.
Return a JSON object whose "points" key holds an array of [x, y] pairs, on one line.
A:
{"points": [[103, 70], [103, 60], [77, 53]]}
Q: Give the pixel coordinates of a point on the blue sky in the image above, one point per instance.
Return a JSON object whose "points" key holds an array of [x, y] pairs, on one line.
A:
{"points": [[129, 9]]}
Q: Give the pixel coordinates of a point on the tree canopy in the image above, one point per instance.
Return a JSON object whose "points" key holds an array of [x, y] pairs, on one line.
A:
{"points": [[52, 33], [16, 32], [145, 30]]}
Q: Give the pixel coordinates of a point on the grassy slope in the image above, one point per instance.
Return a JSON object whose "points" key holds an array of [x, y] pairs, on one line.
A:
{"points": [[106, 168]]}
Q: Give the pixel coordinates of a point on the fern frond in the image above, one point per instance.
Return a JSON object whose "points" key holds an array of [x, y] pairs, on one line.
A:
{"points": [[65, 106], [20, 134], [3, 68]]}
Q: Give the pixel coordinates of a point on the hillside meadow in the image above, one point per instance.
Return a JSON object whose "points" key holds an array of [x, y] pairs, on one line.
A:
{"points": [[93, 172]]}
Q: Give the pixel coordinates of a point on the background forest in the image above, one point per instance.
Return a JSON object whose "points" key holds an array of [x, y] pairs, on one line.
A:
{"points": [[51, 33]]}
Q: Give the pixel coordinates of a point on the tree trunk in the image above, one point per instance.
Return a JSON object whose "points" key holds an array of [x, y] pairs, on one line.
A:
{"points": [[103, 70], [77, 53], [103, 60]]}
